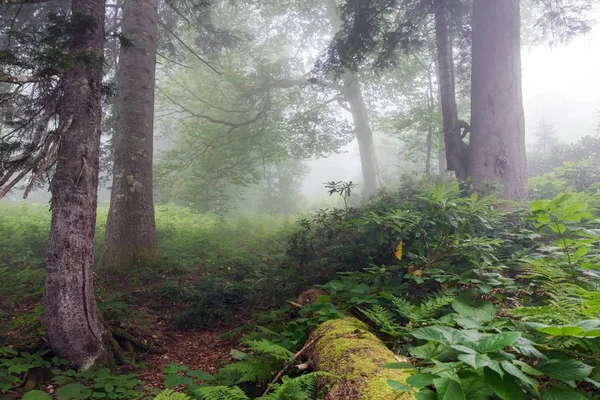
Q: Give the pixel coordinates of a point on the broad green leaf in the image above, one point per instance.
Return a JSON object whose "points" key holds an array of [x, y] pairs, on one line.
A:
{"points": [[420, 380], [561, 393], [589, 324], [497, 341], [72, 391], [528, 369], [580, 252], [505, 387], [476, 361], [510, 368], [477, 310], [399, 386], [172, 380], [449, 389], [36, 395], [475, 388], [464, 349], [565, 370]]}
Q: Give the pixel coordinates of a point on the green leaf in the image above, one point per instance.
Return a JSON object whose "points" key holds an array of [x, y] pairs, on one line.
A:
{"points": [[565, 370], [561, 393], [425, 394], [399, 386], [420, 381], [36, 395], [504, 387], [172, 380], [449, 389], [497, 341], [439, 334], [477, 310], [109, 388], [475, 388], [510, 368], [399, 365], [72, 391]]}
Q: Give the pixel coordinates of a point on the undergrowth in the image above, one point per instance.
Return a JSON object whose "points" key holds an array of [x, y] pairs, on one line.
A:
{"points": [[484, 303]]}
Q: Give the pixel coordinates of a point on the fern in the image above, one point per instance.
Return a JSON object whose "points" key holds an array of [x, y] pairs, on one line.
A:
{"points": [[271, 349], [249, 371], [383, 319], [301, 387], [221, 393], [427, 309], [171, 395]]}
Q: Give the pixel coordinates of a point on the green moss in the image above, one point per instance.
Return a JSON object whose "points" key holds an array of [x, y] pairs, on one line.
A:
{"points": [[347, 349]]}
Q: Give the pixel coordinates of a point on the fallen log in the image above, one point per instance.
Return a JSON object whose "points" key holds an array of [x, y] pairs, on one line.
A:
{"points": [[345, 348]]}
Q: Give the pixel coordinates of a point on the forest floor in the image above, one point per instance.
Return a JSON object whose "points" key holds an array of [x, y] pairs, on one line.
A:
{"points": [[198, 349]]}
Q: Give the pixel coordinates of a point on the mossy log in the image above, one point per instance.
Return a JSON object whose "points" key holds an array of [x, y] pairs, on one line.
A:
{"points": [[345, 348]]}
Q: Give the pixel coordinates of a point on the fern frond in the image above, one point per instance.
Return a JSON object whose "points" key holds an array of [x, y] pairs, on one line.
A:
{"points": [[434, 303], [301, 387], [249, 371], [271, 349], [221, 393], [171, 395], [383, 319]]}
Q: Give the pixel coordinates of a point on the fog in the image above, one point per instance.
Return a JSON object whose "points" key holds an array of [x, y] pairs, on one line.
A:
{"points": [[571, 103]]}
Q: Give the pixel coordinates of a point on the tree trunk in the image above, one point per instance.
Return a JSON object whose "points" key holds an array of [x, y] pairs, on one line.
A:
{"points": [[497, 146], [456, 149], [372, 180], [70, 315], [364, 134], [130, 240], [345, 348]]}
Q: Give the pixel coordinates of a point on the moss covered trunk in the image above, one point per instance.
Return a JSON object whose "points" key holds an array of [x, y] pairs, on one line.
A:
{"points": [[345, 347]]}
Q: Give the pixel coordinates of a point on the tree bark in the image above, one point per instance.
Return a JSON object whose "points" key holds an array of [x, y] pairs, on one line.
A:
{"points": [[72, 323], [456, 149], [130, 240], [372, 180], [497, 145]]}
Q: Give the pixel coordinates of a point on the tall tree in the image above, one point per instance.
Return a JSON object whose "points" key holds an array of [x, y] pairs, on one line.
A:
{"points": [[353, 95], [456, 149], [130, 229], [497, 145], [70, 315]]}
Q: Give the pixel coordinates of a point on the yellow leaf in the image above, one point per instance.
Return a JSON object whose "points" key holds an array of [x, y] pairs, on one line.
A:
{"points": [[398, 251]]}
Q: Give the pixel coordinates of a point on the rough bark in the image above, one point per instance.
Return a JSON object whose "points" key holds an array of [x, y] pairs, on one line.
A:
{"points": [[456, 149], [372, 180], [72, 323], [497, 145], [130, 240], [345, 348]]}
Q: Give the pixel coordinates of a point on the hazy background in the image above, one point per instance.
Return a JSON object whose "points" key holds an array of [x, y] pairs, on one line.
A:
{"points": [[560, 83]]}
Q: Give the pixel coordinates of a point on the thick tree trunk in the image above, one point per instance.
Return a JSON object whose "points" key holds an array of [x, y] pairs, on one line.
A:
{"points": [[130, 240], [497, 146], [70, 316], [345, 348], [456, 149], [372, 180]]}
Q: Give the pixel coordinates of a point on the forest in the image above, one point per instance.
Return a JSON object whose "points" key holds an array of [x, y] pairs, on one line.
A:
{"points": [[296, 200]]}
